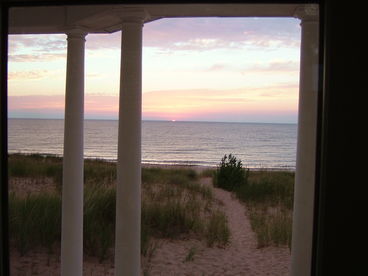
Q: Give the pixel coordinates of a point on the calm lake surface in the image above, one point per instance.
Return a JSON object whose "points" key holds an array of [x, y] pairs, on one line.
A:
{"points": [[185, 143]]}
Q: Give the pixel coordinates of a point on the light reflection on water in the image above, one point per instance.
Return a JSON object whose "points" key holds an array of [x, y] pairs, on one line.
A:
{"points": [[189, 143]]}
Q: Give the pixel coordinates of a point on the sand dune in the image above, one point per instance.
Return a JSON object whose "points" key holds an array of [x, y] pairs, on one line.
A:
{"points": [[186, 257], [240, 257]]}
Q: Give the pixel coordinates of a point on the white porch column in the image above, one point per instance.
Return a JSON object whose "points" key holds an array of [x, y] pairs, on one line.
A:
{"points": [[301, 251], [72, 191], [128, 196]]}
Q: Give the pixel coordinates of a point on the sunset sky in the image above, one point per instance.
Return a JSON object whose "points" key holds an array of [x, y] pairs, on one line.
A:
{"points": [[194, 69]]}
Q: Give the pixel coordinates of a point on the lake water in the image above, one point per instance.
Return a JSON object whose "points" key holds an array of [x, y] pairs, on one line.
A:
{"points": [[185, 143]]}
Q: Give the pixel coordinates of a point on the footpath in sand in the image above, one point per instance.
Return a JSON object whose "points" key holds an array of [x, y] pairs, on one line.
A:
{"points": [[240, 257]]}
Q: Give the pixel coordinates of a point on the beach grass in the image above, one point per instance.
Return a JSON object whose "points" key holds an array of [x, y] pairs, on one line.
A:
{"points": [[35, 221], [273, 187], [36, 166], [99, 221], [268, 196], [174, 205], [217, 230]]}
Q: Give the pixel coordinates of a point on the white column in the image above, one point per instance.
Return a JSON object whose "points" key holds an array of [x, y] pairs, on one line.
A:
{"points": [[128, 196], [301, 251], [72, 190]]}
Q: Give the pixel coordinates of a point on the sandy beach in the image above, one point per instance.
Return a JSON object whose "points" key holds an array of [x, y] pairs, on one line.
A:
{"points": [[175, 257]]}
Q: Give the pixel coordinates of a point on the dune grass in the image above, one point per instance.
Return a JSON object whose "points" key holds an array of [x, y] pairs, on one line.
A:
{"points": [[36, 166], [267, 194], [174, 205], [269, 198], [34, 221], [99, 221], [171, 202], [217, 230]]}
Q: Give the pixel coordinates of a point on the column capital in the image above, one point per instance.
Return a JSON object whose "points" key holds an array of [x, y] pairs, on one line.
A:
{"points": [[307, 12], [76, 33], [132, 15]]}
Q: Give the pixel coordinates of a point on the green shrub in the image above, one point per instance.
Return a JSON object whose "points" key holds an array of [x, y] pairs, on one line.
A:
{"points": [[230, 174]]}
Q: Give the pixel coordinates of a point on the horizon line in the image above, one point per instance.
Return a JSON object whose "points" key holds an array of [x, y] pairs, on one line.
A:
{"points": [[157, 120]]}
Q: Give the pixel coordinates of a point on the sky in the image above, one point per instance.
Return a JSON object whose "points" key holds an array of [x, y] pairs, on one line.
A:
{"points": [[194, 69]]}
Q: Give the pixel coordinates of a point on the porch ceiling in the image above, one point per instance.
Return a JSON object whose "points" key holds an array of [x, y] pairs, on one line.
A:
{"points": [[106, 18]]}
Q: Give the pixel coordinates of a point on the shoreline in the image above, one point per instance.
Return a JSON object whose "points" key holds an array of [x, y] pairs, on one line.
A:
{"points": [[163, 165]]}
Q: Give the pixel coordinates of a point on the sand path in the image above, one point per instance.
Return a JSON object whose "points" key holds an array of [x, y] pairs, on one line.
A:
{"points": [[240, 257]]}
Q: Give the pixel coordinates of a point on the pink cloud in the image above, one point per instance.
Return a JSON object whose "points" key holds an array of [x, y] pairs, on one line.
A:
{"points": [[196, 33], [276, 104], [36, 57], [198, 104], [28, 75], [101, 104], [36, 102], [171, 34], [276, 66], [94, 104], [42, 43]]}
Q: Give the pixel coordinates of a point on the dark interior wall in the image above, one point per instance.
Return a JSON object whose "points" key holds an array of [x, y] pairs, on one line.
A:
{"points": [[4, 242], [341, 214]]}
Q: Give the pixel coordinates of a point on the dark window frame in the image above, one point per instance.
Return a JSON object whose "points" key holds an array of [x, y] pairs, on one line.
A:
{"points": [[333, 129]]}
